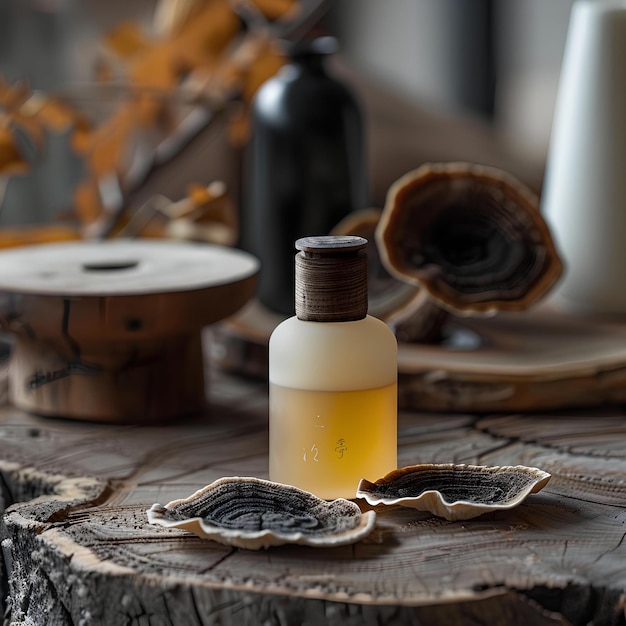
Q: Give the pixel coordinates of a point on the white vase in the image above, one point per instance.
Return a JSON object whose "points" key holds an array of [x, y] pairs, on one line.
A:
{"points": [[584, 196]]}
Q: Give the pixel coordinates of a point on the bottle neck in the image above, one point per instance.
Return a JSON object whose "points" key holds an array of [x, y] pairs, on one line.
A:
{"points": [[310, 55], [310, 63]]}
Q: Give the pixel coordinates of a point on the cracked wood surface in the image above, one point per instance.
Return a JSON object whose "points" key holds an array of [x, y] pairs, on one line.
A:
{"points": [[78, 549]]}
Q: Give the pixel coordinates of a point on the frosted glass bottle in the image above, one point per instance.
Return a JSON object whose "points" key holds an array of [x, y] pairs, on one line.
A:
{"points": [[333, 377]]}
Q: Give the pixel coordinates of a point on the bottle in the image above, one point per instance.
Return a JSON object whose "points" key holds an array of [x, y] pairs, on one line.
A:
{"points": [[584, 191], [333, 377], [306, 165]]}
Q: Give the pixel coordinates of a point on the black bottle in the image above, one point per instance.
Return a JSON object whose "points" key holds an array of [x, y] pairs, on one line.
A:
{"points": [[306, 165]]}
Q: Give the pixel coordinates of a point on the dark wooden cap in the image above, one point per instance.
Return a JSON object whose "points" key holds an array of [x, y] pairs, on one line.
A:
{"points": [[331, 278]]}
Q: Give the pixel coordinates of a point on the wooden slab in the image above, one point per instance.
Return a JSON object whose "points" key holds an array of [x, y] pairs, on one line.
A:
{"points": [[517, 362], [78, 549], [529, 361]]}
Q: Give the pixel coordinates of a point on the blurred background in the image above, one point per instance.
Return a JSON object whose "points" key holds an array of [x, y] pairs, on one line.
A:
{"points": [[494, 64], [496, 59]]}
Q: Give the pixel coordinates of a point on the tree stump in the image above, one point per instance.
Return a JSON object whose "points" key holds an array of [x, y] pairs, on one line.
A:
{"points": [[78, 548]]}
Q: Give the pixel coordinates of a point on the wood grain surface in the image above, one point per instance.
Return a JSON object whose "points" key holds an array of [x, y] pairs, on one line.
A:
{"points": [[78, 549]]}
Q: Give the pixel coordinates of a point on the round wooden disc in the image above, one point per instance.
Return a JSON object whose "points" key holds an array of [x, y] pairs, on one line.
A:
{"points": [[512, 362], [517, 362], [121, 267]]}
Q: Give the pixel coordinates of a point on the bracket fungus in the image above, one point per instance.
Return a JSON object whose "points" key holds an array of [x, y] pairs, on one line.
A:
{"points": [[455, 492], [405, 307], [253, 513], [471, 235]]}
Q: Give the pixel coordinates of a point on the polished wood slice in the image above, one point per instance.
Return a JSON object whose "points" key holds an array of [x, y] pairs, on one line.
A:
{"points": [[512, 362], [517, 362], [111, 331]]}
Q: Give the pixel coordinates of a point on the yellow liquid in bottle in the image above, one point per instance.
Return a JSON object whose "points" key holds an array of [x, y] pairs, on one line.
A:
{"points": [[326, 441]]}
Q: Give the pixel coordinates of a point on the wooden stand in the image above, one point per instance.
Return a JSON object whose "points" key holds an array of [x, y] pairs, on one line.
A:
{"points": [[135, 381], [111, 331]]}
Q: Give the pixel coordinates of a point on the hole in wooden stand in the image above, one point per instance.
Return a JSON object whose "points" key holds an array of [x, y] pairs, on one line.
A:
{"points": [[109, 266]]}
